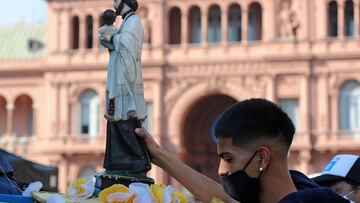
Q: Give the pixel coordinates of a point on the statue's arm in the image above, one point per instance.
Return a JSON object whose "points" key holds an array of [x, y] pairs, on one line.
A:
{"points": [[105, 35], [198, 184]]}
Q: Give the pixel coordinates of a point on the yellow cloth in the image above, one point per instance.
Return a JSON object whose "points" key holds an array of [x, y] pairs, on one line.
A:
{"points": [[42, 196]]}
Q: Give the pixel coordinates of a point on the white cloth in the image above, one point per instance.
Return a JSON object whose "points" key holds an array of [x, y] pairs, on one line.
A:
{"points": [[124, 79]]}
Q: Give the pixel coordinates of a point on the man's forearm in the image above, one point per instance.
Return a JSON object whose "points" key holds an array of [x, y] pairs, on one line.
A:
{"points": [[198, 184]]}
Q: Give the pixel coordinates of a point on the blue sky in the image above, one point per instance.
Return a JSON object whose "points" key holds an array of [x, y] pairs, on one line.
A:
{"points": [[14, 12]]}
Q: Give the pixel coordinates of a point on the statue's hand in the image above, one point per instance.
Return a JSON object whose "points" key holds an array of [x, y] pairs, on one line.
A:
{"points": [[154, 149]]}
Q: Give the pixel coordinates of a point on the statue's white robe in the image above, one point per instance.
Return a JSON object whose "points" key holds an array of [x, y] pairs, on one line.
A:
{"points": [[124, 79]]}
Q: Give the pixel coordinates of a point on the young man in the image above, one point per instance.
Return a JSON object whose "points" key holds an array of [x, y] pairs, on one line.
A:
{"points": [[342, 175], [254, 137]]}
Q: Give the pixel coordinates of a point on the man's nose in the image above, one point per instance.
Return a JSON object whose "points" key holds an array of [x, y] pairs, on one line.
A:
{"points": [[223, 170]]}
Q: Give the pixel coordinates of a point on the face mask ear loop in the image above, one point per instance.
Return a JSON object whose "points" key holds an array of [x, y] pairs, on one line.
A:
{"points": [[247, 163], [349, 193]]}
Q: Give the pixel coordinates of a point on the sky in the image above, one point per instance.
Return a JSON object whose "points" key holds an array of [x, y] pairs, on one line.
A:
{"points": [[13, 12]]}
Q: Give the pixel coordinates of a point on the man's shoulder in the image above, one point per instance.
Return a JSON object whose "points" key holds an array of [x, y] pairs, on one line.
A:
{"points": [[301, 181], [314, 195], [310, 192]]}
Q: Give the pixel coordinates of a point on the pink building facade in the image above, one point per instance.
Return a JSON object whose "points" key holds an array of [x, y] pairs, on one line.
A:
{"points": [[198, 58]]}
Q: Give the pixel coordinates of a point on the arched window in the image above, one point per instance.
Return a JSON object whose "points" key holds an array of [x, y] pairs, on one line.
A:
{"points": [[255, 22], [350, 106], [3, 116], [23, 116], [214, 23], [234, 19], [333, 19], [75, 32], [88, 113], [89, 31], [175, 26], [194, 25], [349, 18]]}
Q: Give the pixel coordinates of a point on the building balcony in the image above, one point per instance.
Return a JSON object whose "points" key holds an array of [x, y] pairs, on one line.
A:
{"points": [[337, 140], [72, 144]]}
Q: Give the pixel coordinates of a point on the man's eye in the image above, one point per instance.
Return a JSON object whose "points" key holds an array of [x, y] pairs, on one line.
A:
{"points": [[228, 160]]}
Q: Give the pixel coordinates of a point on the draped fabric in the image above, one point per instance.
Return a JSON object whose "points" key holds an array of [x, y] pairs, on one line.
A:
{"points": [[124, 80]]}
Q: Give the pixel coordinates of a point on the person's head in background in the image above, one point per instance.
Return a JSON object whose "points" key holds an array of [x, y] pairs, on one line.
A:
{"points": [[342, 175], [254, 137]]}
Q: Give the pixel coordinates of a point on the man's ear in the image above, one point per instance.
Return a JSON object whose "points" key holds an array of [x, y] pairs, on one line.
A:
{"points": [[263, 158]]}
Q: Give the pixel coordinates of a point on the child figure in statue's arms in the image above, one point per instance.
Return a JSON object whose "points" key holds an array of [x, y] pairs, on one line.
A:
{"points": [[107, 31]]}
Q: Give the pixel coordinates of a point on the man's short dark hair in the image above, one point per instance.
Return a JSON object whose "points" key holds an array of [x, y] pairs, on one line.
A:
{"points": [[253, 119]]}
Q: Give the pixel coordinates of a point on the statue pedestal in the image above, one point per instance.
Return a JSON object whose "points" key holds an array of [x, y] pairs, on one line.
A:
{"points": [[109, 178]]}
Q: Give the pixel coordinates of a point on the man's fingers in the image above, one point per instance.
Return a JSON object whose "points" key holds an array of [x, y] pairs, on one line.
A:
{"points": [[141, 132]]}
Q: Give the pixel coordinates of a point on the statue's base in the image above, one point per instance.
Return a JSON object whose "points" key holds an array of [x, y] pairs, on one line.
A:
{"points": [[109, 178]]}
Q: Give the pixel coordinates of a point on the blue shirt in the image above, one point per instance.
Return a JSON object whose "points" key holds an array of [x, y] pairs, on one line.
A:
{"points": [[310, 192], [8, 185]]}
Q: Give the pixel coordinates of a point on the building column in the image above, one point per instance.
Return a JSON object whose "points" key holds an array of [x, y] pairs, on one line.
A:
{"points": [[34, 122], [82, 32], [335, 115], [63, 173], [64, 35], [356, 18], [224, 26], [341, 18], [96, 25], [184, 27], [244, 25], [271, 88], [305, 104], [204, 27], [10, 117], [74, 119], [64, 111], [323, 103]]}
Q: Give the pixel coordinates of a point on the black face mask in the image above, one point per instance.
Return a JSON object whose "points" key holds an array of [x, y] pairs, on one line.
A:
{"points": [[241, 187]]}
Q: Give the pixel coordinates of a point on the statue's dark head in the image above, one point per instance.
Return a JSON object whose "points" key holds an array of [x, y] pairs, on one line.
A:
{"points": [[132, 4], [109, 17]]}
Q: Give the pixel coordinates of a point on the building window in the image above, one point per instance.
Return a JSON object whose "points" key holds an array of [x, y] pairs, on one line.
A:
{"points": [[214, 23], [88, 113], [23, 116], [333, 19], [350, 106], [89, 32], [234, 19], [195, 25], [255, 22], [148, 121], [175, 26], [291, 108], [75, 32], [349, 18], [35, 45]]}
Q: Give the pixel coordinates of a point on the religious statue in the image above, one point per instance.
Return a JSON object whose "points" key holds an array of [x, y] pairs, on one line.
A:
{"points": [[126, 156], [288, 21]]}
